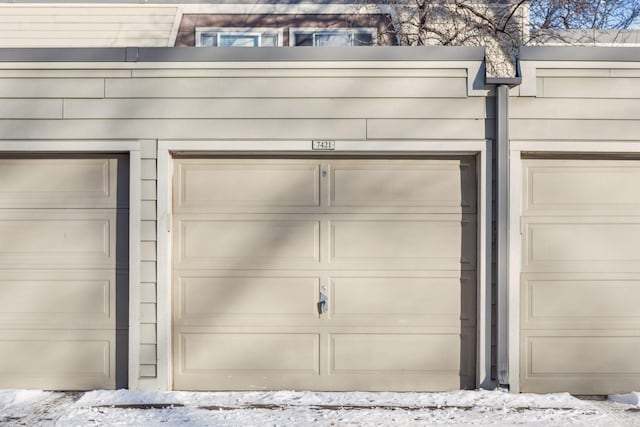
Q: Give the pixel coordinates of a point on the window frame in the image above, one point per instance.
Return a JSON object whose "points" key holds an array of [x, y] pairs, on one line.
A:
{"points": [[344, 30], [239, 31]]}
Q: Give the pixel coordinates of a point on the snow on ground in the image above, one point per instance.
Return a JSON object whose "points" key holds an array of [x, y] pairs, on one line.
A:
{"points": [[288, 408]]}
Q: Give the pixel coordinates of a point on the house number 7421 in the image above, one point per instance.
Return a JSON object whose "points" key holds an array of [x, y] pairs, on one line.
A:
{"points": [[323, 145]]}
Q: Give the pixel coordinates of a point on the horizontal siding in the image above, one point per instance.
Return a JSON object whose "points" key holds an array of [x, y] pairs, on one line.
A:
{"points": [[148, 354], [148, 371], [301, 87], [147, 313], [31, 109], [79, 42], [66, 74], [148, 251], [425, 129], [86, 10], [588, 87], [148, 292], [573, 108], [575, 129], [85, 26], [148, 271], [51, 88], [186, 129], [148, 231], [291, 70], [579, 104], [459, 108]]}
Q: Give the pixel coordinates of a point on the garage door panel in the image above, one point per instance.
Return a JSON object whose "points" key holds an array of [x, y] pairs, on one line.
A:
{"points": [[210, 300], [584, 186], [396, 300], [244, 352], [580, 301], [44, 238], [566, 354], [55, 359], [581, 244], [250, 242], [61, 183], [438, 243], [580, 364], [439, 186], [372, 353], [215, 185], [58, 299]]}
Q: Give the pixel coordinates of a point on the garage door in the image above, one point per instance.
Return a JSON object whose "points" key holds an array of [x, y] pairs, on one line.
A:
{"points": [[345, 274], [63, 272], [580, 279]]}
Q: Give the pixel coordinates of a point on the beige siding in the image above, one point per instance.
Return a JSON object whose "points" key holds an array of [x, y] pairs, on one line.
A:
{"points": [[579, 103], [189, 129], [295, 87], [269, 108], [52, 88], [31, 109], [292, 103], [574, 129], [588, 87], [148, 257], [573, 108], [85, 25], [424, 128]]}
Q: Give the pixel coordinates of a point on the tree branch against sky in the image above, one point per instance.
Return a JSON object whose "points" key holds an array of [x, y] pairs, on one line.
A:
{"points": [[584, 14], [504, 25]]}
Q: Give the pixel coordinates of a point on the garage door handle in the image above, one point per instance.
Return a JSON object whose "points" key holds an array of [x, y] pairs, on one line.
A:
{"points": [[323, 304]]}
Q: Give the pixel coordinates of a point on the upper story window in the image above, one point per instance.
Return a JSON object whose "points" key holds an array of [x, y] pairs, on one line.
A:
{"points": [[238, 37], [332, 37]]}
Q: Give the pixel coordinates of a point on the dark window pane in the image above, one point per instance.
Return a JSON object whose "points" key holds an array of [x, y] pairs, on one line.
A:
{"points": [[362, 39]]}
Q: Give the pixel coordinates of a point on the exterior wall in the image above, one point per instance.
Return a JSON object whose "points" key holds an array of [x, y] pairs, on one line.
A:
{"points": [[86, 25], [189, 23], [577, 101], [148, 257], [296, 100]]}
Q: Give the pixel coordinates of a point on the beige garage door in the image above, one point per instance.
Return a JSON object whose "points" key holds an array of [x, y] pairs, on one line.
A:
{"points": [[349, 274], [63, 272], [580, 280]]}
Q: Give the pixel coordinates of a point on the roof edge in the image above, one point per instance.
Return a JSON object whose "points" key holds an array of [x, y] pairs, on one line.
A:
{"points": [[224, 54], [579, 53]]}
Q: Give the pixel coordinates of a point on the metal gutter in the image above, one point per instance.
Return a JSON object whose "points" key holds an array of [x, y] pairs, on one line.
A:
{"points": [[501, 216], [225, 54]]}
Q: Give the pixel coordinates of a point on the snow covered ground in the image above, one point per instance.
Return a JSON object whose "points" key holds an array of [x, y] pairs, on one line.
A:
{"points": [[288, 408]]}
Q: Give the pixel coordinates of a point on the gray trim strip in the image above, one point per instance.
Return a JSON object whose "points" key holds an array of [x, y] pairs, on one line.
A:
{"points": [[579, 53], [107, 54], [200, 54]]}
